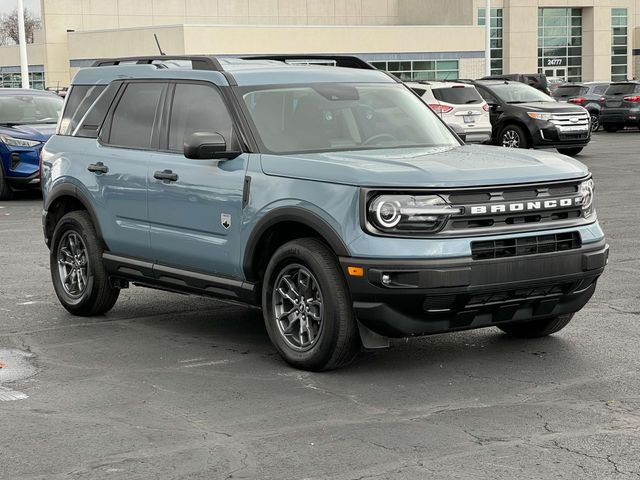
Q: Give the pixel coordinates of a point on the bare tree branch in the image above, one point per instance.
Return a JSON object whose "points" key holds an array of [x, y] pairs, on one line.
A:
{"points": [[9, 27]]}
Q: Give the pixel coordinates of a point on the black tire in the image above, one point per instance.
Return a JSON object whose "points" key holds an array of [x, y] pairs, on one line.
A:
{"points": [[336, 340], [513, 136], [570, 151], [595, 122], [6, 192], [611, 127], [97, 296], [536, 328]]}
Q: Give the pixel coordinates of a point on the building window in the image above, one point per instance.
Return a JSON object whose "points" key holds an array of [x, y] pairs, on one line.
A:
{"points": [[496, 38], [560, 43], [420, 69], [14, 80], [619, 44]]}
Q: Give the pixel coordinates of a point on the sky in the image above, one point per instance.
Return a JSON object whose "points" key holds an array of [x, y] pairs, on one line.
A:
{"points": [[7, 6]]}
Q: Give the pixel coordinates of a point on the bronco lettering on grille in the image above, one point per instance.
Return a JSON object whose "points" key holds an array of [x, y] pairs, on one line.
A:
{"points": [[529, 206]]}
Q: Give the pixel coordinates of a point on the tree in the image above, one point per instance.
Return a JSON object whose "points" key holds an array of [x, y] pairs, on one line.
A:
{"points": [[9, 27]]}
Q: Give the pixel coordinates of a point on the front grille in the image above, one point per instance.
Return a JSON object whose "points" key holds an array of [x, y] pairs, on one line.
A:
{"points": [[573, 120], [472, 223], [517, 247]]}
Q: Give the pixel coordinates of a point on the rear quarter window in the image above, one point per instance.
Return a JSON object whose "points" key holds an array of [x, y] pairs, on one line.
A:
{"points": [[79, 100], [457, 95], [570, 91], [620, 88]]}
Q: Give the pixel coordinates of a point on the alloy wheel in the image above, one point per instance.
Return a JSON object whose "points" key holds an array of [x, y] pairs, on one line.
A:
{"points": [[73, 264], [298, 307], [511, 139], [595, 123]]}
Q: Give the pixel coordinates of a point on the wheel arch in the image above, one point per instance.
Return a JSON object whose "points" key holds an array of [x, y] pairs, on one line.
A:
{"points": [[517, 122], [62, 200], [283, 225]]}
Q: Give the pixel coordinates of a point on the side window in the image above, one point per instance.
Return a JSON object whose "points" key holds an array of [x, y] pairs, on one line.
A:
{"points": [[600, 89], [197, 108], [489, 97], [80, 98], [135, 115]]}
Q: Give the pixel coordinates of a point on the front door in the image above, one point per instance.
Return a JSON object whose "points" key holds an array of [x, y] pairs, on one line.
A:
{"points": [[556, 72], [195, 206]]}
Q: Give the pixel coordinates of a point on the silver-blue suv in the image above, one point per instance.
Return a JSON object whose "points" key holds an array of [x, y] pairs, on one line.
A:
{"points": [[331, 197]]}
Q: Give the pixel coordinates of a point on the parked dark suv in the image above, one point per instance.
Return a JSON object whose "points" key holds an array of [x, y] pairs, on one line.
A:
{"points": [[535, 80], [586, 95], [523, 117], [620, 106]]}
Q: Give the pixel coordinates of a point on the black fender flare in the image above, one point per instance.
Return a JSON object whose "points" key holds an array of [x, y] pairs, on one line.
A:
{"points": [[70, 190], [291, 214]]}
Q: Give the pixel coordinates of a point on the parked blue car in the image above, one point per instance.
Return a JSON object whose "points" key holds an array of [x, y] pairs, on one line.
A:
{"points": [[330, 197], [27, 119]]}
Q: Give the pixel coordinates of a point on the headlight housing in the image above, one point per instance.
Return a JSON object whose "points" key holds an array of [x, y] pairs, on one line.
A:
{"points": [[586, 190], [540, 116], [18, 142], [398, 213]]}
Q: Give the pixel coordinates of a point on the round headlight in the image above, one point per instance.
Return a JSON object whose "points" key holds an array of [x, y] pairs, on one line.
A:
{"points": [[387, 213]]}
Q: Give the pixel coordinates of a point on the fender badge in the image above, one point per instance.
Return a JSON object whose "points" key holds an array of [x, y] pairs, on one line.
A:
{"points": [[225, 220]]}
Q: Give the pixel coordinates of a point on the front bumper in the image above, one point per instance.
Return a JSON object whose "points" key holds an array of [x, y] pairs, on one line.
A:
{"points": [[551, 136], [436, 296]]}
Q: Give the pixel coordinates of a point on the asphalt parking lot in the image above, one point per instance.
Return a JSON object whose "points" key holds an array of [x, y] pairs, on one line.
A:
{"points": [[168, 386]]}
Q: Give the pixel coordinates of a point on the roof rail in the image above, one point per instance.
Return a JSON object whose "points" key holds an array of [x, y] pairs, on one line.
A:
{"points": [[198, 62], [346, 61]]}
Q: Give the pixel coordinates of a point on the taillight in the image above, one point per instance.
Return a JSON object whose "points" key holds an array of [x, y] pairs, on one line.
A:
{"points": [[578, 100], [632, 99], [485, 107], [436, 107]]}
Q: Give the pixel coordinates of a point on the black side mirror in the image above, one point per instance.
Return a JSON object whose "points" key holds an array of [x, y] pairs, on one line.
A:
{"points": [[207, 146], [458, 130]]}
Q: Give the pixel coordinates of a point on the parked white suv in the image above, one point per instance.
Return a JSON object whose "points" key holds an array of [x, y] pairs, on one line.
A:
{"points": [[458, 104]]}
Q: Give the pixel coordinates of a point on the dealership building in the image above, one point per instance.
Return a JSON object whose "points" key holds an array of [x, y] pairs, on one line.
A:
{"points": [[579, 40]]}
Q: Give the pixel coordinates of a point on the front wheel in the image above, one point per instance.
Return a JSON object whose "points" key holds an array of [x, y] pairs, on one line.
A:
{"points": [[79, 277], [307, 307], [513, 136], [537, 328], [6, 192], [595, 122], [570, 151]]}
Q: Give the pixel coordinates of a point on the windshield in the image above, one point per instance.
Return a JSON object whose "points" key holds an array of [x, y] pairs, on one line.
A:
{"points": [[334, 117], [457, 95], [519, 93], [26, 109], [620, 88], [570, 91]]}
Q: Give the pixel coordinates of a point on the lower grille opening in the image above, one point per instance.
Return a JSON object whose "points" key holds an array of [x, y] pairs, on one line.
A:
{"points": [[516, 247]]}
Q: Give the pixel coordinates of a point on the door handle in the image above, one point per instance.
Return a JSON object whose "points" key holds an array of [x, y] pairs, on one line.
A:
{"points": [[98, 167], [167, 175]]}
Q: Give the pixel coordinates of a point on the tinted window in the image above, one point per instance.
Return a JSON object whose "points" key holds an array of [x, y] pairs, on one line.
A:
{"points": [[419, 91], [570, 91], [457, 95], [620, 88], [197, 108], [134, 117], [489, 98], [600, 89], [79, 99]]}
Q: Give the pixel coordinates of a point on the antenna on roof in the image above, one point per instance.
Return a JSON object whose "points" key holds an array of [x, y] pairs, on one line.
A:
{"points": [[158, 43]]}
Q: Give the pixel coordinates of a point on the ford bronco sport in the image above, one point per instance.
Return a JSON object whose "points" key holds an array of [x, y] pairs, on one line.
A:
{"points": [[328, 196]]}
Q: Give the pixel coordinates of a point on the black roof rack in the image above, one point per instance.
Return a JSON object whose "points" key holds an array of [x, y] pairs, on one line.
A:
{"points": [[346, 61], [198, 62]]}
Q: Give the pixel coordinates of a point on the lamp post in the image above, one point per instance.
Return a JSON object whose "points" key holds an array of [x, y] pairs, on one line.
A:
{"points": [[487, 44], [22, 45]]}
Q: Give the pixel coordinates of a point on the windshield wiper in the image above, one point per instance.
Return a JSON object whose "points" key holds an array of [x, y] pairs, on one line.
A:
{"points": [[524, 101]]}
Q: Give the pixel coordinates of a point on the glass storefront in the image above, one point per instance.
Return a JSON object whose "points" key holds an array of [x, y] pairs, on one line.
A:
{"points": [[14, 80], [496, 38], [420, 69], [560, 43], [619, 44]]}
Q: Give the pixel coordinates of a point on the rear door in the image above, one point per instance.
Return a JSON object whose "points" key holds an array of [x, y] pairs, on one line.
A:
{"points": [[195, 218], [617, 95], [118, 167]]}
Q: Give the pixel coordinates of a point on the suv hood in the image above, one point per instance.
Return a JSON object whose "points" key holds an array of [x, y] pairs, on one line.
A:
{"points": [[40, 132], [468, 165], [550, 107]]}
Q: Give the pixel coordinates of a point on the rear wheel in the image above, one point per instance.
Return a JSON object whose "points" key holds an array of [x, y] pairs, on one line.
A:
{"points": [[611, 127], [513, 136], [570, 151], [6, 192], [307, 307], [595, 122], [537, 328], [79, 277]]}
